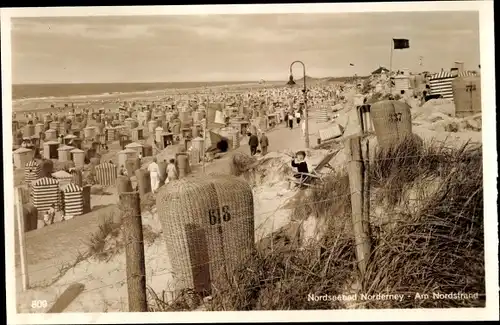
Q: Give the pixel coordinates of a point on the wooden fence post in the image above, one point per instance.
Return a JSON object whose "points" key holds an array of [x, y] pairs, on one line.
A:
{"points": [[130, 206], [123, 185], [355, 170], [366, 188], [18, 201]]}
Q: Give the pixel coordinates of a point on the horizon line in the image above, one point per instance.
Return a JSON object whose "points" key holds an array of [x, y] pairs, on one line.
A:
{"points": [[166, 82]]}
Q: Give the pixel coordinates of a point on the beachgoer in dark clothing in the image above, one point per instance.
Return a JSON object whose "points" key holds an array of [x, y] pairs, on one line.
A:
{"points": [[253, 142], [290, 121], [297, 116], [223, 145]]}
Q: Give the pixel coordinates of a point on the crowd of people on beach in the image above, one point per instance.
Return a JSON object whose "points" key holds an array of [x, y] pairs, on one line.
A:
{"points": [[287, 104]]}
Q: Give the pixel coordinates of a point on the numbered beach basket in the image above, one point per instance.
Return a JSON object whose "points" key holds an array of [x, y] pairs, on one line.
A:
{"points": [[391, 121], [467, 95], [208, 226]]}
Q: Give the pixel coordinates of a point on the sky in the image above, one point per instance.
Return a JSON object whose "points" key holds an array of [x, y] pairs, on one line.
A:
{"points": [[236, 47]]}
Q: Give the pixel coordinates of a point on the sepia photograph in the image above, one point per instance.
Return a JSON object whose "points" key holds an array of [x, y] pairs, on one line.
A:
{"points": [[236, 160]]}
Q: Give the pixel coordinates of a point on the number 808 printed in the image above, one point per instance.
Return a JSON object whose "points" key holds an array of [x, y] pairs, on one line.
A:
{"points": [[37, 304]]}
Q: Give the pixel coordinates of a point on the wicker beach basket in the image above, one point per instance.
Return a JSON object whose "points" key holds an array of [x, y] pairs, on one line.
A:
{"points": [[391, 121], [467, 95], [87, 207], [240, 163], [130, 165], [46, 168], [25, 194], [30, 214], [208, 227], [162, 171], [183, 164], [123, 184], [77, 177], [94, 161], [143, 179]]}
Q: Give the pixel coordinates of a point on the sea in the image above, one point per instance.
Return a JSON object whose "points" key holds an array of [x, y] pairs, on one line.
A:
{"points": [[43, 91]]}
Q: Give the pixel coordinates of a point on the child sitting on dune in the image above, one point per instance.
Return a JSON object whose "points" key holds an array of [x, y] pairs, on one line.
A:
{"points": [[299, 162]]}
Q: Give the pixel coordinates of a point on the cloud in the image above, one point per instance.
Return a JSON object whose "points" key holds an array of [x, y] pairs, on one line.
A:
{"points": [[91, 31]]}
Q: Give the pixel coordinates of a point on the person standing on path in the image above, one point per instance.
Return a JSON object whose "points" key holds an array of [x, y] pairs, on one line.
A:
{"points": [[154, 173], [264, 144], [290, 120], [171, 171], [298, 116], [253, 142], [282, 114]]}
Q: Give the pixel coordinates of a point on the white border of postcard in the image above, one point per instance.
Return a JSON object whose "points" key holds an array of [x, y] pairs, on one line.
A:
{"points": [[490, 312]]}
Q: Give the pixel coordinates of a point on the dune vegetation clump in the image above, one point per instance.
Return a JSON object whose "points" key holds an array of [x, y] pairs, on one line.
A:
{"points": [[438, 249]]}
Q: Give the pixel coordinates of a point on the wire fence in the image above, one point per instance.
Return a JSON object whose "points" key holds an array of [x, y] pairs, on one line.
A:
{"points": [[86, 257], [269, 215], [171, 293]]}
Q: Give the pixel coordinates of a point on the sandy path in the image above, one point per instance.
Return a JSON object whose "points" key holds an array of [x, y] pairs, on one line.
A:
{"points": [[280, 138], [50, 248]]}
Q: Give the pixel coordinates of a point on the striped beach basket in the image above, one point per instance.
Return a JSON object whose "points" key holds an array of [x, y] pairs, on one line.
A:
{"points": [[365, 120], [208, 226], [323, 113], [72, 200], [441, 84], [32, 171], [45, 193], [105, 174]]}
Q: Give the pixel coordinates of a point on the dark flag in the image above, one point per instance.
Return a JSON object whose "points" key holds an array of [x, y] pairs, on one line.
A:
{"points": [[401, 43]]}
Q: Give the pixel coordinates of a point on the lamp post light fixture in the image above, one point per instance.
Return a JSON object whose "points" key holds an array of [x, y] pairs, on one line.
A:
{"points": [[291, 82]]}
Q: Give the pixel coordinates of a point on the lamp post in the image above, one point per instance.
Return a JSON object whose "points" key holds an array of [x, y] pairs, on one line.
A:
{"points": [[306, 115]]}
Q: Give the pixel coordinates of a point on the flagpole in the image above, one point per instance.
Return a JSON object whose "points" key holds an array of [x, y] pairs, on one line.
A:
{"points": [[390, 67]]}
